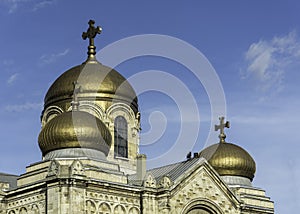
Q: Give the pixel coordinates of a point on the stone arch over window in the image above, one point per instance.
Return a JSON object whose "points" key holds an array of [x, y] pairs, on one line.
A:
{"points": [[134, 210], [90, 207], [12, 212], [124, 110], [104, 208], [201, 206], [120, 137], [92, 108], [23, 210], [50, 113], [199, 211], [35, 209], [119, 209]]}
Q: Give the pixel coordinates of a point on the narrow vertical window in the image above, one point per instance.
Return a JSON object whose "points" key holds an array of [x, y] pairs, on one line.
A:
{"points": [[120, 132]]}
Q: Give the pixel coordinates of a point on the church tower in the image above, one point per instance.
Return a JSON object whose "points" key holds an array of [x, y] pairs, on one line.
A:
{"points": [[99, 91]]}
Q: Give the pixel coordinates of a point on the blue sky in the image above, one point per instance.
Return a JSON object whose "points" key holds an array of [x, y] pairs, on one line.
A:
{"points": [[254, 46]]}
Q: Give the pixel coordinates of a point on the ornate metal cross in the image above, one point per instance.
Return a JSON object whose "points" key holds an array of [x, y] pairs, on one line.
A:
{"points": [[221, 127], [91, 33]]}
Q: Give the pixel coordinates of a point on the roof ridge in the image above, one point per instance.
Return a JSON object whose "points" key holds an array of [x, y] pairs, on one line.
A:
{"points": [[166, 165], [6, 174]]}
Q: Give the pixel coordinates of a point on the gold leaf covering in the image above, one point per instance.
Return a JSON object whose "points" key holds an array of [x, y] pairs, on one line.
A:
{"points": [[98, 82], [75, 129], [230, 159]]}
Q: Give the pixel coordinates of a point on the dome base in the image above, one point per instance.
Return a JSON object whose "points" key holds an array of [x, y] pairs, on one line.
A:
{"points": [[237, 180], [75, 153]]}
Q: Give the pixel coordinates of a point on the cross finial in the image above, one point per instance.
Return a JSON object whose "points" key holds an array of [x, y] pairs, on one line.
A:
{"points": [[76, 91], [91, 33], [222, 126]]}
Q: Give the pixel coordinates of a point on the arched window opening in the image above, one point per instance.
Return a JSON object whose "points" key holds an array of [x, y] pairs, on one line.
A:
{"points": [[202, 206], [199, 211], [120, 133]]}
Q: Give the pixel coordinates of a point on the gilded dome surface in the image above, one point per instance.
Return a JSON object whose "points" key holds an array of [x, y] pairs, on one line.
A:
{"points": [[230, 159], [97, 82], [74, 129]]}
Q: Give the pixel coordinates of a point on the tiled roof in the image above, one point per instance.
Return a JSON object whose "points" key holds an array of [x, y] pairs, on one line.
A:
{"points": [[10, 179], [173, 171]]}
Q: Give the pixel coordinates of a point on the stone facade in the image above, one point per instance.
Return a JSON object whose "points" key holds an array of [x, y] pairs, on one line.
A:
{"points": [[64, 186]]}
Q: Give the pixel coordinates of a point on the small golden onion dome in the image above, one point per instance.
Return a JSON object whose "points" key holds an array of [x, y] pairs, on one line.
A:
{"points": [[98, 82], [229, 159], [74, 129]]}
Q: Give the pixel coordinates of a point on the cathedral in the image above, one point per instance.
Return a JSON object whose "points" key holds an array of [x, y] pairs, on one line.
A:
{"points": [[91, 163]]}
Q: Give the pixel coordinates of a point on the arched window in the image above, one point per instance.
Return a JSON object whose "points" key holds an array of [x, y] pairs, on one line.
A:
{"points": [[199, 211], [23, 210], [202, 206], [120, 132], [90, 207]]}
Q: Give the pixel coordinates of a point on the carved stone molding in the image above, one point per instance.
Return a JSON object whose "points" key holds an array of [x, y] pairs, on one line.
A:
{"points": [[54, 169], [150, 182], [165, 182], [77, 168]]}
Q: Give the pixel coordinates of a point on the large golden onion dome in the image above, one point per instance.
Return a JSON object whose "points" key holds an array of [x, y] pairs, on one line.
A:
{"points": [[97, 82], [229, 159], [74, 129]]}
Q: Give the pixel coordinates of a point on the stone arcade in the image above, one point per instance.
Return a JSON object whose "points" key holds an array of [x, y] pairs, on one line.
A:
{"points": [[91, 162]]}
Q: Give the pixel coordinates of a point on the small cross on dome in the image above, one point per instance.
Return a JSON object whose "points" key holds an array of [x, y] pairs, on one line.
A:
{"points": [[221, 127]]}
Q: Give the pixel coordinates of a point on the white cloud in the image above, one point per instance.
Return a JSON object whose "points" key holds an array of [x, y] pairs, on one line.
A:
{"points": [[23, 107], [268, 61], [12, 78], [50, 58], [42, 4], [8, 62], [15, 5]]}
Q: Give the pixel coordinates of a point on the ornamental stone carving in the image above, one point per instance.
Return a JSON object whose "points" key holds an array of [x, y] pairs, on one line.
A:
{"points": [[53, 169], [90, 207], [134, 210], [150, 182], [119, 209], [104, 208], [4, 186], [77, 168], [165, 182]]}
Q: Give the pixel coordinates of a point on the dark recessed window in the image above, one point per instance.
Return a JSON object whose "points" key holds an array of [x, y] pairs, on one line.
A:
{"points": [[120, 132]]}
